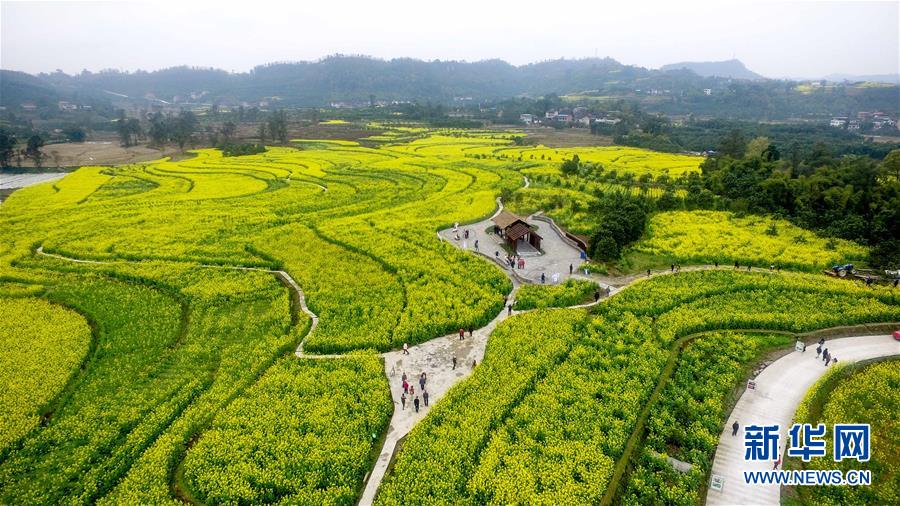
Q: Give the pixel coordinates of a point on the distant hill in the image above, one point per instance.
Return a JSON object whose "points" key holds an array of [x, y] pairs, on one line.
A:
{"points": [[734, 69], [706, 89]]}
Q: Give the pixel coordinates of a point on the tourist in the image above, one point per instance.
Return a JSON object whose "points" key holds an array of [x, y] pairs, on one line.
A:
{"points": [[497, 254], [405, 386], [571, 269], [734, 428], [509, 310], [462, 334], [454, 363], [717, 264], [825, 354], [821, 341], [406, 348], [422, 381], [596, 295], [470, 331], [818, 351], [416, 404], [833, 360], [403, 400], [404, 376], [474, 363], [748, 268], [736, 266], [673, 267], [412, 390], [543, 278], [521, 263], [648, 273], [827, 361], [425, 397], [476, 249], [608, 291]]}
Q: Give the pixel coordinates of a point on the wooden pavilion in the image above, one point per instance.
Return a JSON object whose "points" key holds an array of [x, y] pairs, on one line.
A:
{"points": [[512, 228]]}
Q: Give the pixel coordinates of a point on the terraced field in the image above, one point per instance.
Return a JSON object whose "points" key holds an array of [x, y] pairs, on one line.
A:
{"points": [[180, 377]]}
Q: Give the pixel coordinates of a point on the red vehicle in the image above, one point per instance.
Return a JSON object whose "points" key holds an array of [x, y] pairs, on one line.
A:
{"points": [[897, 335]]}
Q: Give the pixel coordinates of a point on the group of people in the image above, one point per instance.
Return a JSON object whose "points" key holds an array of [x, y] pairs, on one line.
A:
{"points": [[826, 355], [409, 391], [513, 261]]}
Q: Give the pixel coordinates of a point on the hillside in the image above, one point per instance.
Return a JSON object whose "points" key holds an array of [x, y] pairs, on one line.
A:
{"points": [[734, 69]]}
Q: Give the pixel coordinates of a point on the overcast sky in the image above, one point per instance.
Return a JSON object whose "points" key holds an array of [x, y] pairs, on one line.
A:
{"points": [[776, 39]]}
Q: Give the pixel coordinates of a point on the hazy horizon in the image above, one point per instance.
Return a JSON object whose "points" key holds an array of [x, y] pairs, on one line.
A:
{"points": [[810, 39]]}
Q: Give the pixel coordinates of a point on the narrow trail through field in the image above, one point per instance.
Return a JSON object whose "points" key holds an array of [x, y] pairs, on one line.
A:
{"points": [[436, 356]]}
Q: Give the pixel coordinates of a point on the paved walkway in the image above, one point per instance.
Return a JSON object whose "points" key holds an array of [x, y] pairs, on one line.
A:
{"points": [[780, 389], [435, 358], [558, 254]]}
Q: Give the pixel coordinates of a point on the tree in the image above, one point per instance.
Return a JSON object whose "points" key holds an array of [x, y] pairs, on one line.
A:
{"points": [[228, 129], [75, 134], [8, 143], [891, 163], [733, 144], [33, 149], [263, 132], [183, 128], [757, 146], [570, 167], [159, 130], [278, 126]]}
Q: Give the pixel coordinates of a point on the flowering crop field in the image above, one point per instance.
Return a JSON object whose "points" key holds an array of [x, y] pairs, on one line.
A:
{"points": [[157, 361], [558, 434], [692, 237], [868, 394]]}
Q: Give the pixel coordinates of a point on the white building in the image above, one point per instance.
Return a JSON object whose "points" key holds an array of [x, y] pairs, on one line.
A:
{"points": [[838, 122], [526, 118], [707, 91]]}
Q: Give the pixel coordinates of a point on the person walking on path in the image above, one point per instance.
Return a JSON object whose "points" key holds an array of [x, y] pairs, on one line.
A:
{"points": [[596, 295], [608, 291], [717, 264], [648, 273], [673, 267], [425, 396], [406, 348], [412, 390], [416, 404], [476, 249], [462, 334], [474, 363], [543, 278], [734, 428], [454, 363], [736, 266], [405, 386], [818, 351], [422, 381], [403, 400], [827, 361], [509, 310], [825, 354], [571, 269], [471, 331]]}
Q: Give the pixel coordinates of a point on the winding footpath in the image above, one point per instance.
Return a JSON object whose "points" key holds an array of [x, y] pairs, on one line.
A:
{"points": [[781, 385], [779, 390]]}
